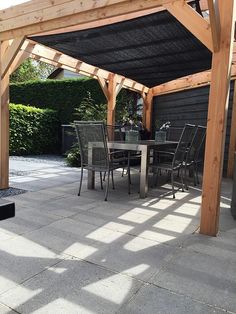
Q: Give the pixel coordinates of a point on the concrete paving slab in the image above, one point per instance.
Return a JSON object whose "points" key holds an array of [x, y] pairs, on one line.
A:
{"points": [[21, 259], [86, 288], [6, 310], [139, 239], [201, 277], [152, 299], [223, 246]]}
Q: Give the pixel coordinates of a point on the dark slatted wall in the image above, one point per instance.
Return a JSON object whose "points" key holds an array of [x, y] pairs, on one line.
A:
{"points": [[188, 106]]}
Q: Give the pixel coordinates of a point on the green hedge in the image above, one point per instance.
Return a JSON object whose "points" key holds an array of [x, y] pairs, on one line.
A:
{"points": [[60, 95], [33, 130]]}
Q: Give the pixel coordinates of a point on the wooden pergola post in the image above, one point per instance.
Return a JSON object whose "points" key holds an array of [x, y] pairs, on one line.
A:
{"points": [[147, 109], [216, 125], [232, 144], [4, 120], [111, 104]]}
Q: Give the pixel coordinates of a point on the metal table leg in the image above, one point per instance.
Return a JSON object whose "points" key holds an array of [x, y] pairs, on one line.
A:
{"points": [[144, 172]]}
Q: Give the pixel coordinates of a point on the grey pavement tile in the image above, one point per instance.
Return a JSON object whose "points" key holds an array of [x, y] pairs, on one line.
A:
{"points": [[72, 286], [144, 230], [130, 255], [227, 223], [21, 259], [223, 246], [6, 310], [200, 276], [151, 299], [66, 236]]}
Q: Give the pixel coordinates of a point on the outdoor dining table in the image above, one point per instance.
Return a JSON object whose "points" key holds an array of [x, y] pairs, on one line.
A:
{"points": [[144, 146]]}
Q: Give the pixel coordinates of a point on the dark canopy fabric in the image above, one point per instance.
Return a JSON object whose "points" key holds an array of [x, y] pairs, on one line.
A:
{"points": [[152, 49]]}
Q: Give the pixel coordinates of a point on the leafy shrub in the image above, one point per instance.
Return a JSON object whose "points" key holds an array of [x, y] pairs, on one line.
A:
{"points": [[60, 95], [33, 130], [73, 156], [66, 95]]}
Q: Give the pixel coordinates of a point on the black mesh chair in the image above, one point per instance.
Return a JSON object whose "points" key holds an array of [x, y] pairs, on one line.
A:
{"points": [[174, 133], [177, 157], [193, 154], [102, 158]]}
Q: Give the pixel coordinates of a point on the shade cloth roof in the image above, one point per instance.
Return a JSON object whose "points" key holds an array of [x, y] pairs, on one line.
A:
{"points": [[152, 49]]}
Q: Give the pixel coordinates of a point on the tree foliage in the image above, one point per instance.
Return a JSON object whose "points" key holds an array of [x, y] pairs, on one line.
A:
{"points": [[31, 70]]}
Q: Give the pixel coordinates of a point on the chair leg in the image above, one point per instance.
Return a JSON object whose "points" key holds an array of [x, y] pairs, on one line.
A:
{"points": [[182, 179], [81, 179], [104, 176], [197, 178], [123, 171], [185, 177], [194, 175], [107, 187], [112, 179], [172, 183], [101, 180]]}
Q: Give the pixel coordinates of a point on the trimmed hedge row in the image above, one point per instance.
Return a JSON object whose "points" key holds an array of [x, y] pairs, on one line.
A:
{"points": [[33, 130], [60, 95]]}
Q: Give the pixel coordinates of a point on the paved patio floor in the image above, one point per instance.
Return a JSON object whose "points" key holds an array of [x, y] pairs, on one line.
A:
{"points": [[68, 254]]}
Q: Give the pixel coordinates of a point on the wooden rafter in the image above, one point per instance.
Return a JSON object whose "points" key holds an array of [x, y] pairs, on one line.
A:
{"points": [[57, 14], [39, 50], [215, 23], [193, 21]]}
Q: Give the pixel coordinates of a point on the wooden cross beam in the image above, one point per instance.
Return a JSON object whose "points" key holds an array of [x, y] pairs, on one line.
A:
{"points": [[193, 21], [35, 17], [60, 59], [188, 82]]}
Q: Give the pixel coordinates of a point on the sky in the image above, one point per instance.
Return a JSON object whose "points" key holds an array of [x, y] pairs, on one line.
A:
{"points": [[8, 3]]}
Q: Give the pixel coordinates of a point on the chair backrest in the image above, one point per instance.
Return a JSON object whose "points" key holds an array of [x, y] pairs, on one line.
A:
{"points": [[197, 144], [92, 132], [184, 144], [174, 133], [114, 133]]}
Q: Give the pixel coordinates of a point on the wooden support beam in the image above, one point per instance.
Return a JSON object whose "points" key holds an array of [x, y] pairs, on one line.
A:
{"points": [[232, 143], [19, 59], [4, 120], [215, 23], [120, 85], [11, 53], [104, 86], [147, 109], [58, 14], [187, 82], [39, 50], [193, 21], [111, 106], [216, 122]]}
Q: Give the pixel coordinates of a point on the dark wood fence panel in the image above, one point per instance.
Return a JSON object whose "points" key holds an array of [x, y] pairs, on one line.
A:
{"points": [[189, 106]]}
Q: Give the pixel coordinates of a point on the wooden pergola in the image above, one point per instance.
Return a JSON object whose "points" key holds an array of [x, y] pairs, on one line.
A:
{"points": [[58, 16]]}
